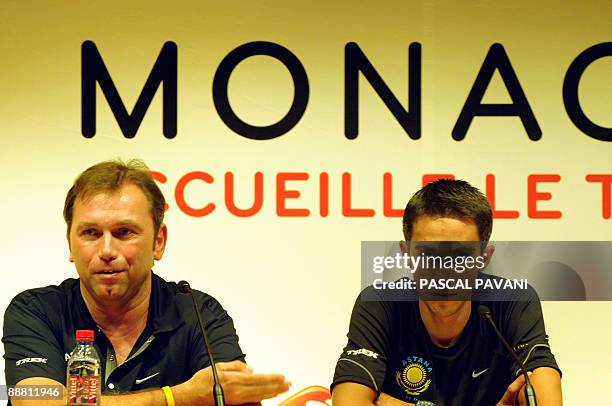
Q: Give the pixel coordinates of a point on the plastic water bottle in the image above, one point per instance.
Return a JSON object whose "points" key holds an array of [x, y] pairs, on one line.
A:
{"points": [[83, 373]]}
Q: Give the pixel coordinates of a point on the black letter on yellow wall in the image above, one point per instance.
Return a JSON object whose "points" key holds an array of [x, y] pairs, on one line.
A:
{"points": [[496, 59], [300, 85], [355, 61], [570, 91], [94, 71]]}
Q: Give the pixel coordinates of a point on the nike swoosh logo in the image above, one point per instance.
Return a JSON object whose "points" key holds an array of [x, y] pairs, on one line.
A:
{"points": [[139, 381], [477, 374]]}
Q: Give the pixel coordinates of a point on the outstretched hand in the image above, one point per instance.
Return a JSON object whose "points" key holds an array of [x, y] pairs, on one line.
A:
{"points": [[240, 384]]}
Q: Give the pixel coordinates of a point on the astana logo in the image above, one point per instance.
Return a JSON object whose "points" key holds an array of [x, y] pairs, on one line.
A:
{"points": [[413, 375]]}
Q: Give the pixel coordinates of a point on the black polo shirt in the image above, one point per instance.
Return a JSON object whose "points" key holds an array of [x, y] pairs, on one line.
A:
{"points": [[390, 351], [40, 326]]}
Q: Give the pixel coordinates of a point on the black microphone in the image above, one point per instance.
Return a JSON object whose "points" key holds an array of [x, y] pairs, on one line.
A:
{"points": [[486, 314], [217, 389]]}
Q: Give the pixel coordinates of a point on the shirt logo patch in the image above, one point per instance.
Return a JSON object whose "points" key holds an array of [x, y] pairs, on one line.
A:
{"points": [[413, 375], [363, 351], [477, 374], [139, 381], [27, 360]]}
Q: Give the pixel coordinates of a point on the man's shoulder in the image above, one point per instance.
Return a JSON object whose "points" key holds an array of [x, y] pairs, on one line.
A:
{"points": [[512, 307], [170, 291], [50, 296]]}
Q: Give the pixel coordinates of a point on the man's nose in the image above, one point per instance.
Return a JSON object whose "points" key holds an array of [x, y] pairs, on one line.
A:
{"points": [[108, 249]]}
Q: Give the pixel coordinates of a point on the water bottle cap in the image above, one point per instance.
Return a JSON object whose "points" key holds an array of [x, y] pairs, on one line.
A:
{"points": [[85, 335]]}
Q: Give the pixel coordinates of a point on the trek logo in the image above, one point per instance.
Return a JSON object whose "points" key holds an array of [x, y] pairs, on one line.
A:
{"points": [[520, 347], [27, 360], [363, 351]]}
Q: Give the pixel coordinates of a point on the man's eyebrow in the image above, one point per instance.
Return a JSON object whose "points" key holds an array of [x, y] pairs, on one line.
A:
{"points": [[426, 244], [85, 224], [129, 223]]}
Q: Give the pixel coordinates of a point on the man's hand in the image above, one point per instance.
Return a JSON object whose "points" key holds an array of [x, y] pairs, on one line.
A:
{"points": [[240, 385], [546, 383], [509, 397], [356, 394]]}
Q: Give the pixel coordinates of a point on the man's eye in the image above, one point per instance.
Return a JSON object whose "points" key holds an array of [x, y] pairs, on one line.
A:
{"points": [[124, 232], [89, 232]]}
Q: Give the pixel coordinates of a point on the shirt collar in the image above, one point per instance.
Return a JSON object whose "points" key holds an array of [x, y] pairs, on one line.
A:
{"points": [[164, 314]]}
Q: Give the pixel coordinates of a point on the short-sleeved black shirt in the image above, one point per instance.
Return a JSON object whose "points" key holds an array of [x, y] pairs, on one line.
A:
{"points": [[390, 351], [40, 326]]}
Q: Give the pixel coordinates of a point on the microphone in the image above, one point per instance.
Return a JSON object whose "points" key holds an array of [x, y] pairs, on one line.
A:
{"points": [[486, 314], [217, 389]]}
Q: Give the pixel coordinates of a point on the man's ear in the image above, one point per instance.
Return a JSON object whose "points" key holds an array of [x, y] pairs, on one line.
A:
{"points": [[488, 254], [404, 247], [159, 245], [69, 246]]}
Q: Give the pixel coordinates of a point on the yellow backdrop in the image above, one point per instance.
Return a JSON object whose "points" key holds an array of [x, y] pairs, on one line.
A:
{"points": [[290, 282]]}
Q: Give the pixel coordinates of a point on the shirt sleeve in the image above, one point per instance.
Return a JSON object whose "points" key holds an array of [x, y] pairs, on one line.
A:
{"points": [[221, 335], [527, 335], [30, 347], [364, 358]]}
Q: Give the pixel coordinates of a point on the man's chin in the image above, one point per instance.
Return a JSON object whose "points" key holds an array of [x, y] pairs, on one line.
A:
{"points": [[444, 308], [109, 293], [445, 295]]}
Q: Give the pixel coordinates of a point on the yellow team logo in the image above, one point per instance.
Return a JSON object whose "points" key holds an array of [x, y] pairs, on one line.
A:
{"points": [[412, 377]]}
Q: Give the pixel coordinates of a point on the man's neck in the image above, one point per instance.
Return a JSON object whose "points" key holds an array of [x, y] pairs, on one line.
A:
{"points": [[120, 318], [445, 322]]}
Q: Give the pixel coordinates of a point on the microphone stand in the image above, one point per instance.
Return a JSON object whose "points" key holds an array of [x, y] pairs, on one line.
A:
{"points": [[485, 313], [217, 389]]}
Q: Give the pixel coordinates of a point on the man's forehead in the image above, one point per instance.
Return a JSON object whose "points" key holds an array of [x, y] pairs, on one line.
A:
{"points": [[128, 201], [450, 246], [441, 228], [124, 194]]}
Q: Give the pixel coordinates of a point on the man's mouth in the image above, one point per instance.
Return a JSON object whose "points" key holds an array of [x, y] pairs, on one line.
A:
{"points": [[108, 272]]}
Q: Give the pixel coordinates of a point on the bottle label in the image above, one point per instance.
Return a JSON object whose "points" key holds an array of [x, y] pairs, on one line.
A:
{"points": [[92, 395], [83, 389], [72, 389]]}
